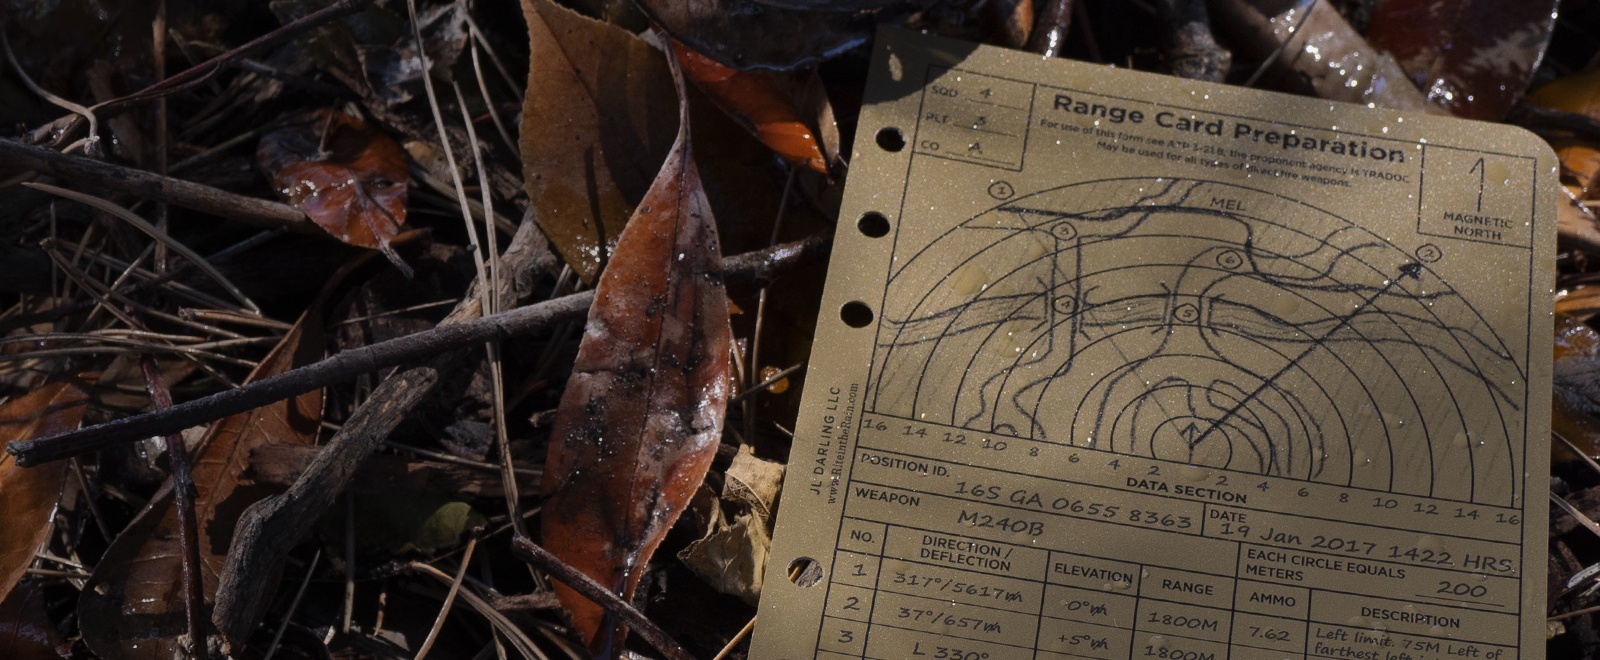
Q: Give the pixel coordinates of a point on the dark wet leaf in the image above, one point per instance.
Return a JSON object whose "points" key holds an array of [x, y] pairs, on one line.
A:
{"points": [[774, 34], [28, 495], [60, 43], [132, 606], [595, 129], [1315, 52], [347, 176], [1575, 413], [763, 102], [642, 414], [1011, 21], [830, 5], [396, 71], [1474, 57], [374, 52], [25, 630]]}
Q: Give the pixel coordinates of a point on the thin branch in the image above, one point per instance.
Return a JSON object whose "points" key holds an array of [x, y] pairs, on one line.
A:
{"points": [[269, 529], [1577, 515], [89, 144], [449, 601], [519, 640], [202, 198], [764, 385], [160, 236], [646, 629], [203, 71], [293, 605], [61, 311], [354, 362], [734, 643], [1538, 118], [65, 127], [183, 490]]}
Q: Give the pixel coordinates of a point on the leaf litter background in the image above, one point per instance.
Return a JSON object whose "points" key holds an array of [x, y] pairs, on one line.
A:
{"points": [[216, 193]]}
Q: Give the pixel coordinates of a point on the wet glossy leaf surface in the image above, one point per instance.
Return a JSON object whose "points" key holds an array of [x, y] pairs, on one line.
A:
{"points": [[1576, 401], [1473, 57], [347, 176], [641, 416], [763, 101], [25, 630], [1314, 51], [28, 495]]}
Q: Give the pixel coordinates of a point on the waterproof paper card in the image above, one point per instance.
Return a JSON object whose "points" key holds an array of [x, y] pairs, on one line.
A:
{"points": [[1116, 365]]}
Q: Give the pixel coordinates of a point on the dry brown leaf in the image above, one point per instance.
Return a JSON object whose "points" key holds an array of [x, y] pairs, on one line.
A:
{"points": [[753, 482], [1577, 93], [595, 130], [28, 495], [350, 178], [732, 557], [132, 606], [1474, 58], [641, 417]]}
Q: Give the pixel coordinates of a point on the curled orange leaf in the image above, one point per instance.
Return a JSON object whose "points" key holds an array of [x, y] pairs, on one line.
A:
{"points": [[758, 100]]}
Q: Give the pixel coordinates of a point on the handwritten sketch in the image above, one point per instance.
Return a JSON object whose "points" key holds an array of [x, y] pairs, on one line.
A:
{"points": [[1206, 323]]}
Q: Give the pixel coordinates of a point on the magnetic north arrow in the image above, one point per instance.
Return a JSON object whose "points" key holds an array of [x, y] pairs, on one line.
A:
{"points": [[1412, 270]]}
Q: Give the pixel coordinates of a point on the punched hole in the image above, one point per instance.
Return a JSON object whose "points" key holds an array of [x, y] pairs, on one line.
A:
{"points": [[805, 572], [873, 224], [856, 314], [890, 139]]}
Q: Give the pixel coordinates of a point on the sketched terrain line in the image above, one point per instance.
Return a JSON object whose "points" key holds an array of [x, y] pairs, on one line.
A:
{"points": [[1135, 316]]}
